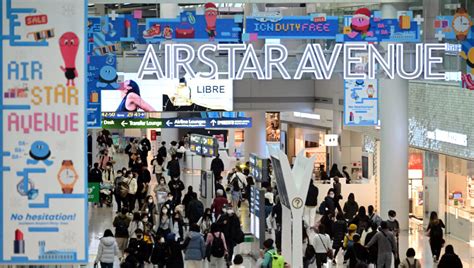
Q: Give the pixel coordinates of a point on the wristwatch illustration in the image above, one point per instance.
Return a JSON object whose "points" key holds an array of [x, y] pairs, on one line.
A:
{"points": [[67, 176], [461, 23]]}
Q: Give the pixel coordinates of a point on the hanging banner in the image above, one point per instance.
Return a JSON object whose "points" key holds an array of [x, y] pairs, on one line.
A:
{"points": [[368, 26], [43, 184], [361, 102], [191, 26], [272, 126], [315, 26]]}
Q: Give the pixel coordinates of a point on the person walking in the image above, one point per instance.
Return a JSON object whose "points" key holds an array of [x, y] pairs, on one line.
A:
{"points": [[229, 224], [238, 184], [450, 259], [339, 230], [218, 204], [334, 172], [205, 222], [143, 182], [217, 167], [173, 252], [311, 203], [410, 261], [108, 250], [195, 248], [190, 195], [134, 225], [435, 232], [386, 246], [337, 193], [350, 207], [162, 150], [121, 223], [346, 175], [267, 253], [194, 210], [216, 248], [117, 185], [176, 186], [361, 220], [158, 164], [322, 245], [173, 167], [132, 190]]}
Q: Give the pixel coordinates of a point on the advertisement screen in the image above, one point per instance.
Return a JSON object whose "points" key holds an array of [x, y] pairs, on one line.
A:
{"points": [[141, 95], [272, 123]]}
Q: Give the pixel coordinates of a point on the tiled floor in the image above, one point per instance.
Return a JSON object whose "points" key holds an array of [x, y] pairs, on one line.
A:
{"points": [[101, 219]]}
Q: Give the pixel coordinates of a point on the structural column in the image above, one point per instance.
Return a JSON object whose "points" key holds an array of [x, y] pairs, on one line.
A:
{"points": [[169, 11], [393, 107], [254, 138], [336, 129]]}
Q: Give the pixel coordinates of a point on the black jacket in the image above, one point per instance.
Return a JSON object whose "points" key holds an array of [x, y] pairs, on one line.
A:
{"points": [[174, 255], [339, 229], [188, 197], [330, 205], [312, 197], [277, 213], [173, 168], [194, 210], [450, 261], [95, 175], [176, 187], [373, 250], [162, 151], [357, 252], [146, 145], [217, 165], [143, 177], [130, 262], [139, 249], [230, 226]]}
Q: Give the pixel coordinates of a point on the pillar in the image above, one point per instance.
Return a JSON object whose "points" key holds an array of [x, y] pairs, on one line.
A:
{"points": [[231, 142], [169, 11], [254, 137], [393, 107], [336, 129], [430, 11]]}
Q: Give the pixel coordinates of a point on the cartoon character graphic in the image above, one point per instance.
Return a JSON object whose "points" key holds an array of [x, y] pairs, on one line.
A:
{"points": [[360, 23], [69, 44], [467, 53], [107, 76], [210, 14]]}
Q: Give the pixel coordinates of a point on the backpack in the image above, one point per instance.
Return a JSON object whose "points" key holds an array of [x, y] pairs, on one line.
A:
{"points": [[277, 260], [217, 246], [350, 242], [122, 228], [239, 236], [235, 183], [322, 208], [124, 189], [411, 265], [179, 155]]}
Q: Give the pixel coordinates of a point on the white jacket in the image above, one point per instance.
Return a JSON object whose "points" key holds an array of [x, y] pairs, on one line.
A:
{"points": [[108, 249], [133, 186]]}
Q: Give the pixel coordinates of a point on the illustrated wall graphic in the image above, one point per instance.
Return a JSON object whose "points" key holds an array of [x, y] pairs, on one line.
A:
{"points": [[210, 14], [69, 44], [360, 23], [361, 102], [42, 194]]}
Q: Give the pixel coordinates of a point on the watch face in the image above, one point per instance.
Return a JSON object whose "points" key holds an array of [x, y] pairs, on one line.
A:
{"points": [[461, 24], [67, 176]]}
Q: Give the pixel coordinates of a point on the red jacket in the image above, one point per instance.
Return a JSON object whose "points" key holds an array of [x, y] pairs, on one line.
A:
{"points": [[218, 204]]}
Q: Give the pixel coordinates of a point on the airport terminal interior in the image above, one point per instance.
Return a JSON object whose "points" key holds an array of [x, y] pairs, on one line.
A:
{"points": [[159, 133]]}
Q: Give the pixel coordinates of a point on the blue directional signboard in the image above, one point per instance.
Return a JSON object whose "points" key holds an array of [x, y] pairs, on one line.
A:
{"points": [[229, 122]]}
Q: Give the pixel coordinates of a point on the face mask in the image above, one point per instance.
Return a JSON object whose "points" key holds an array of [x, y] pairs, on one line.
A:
{"points": [[391, 218], [230, 211], [145, 220], [165, 211], [150, 201], [331, 195], [170, 198], [162, 182], [162, 240]]}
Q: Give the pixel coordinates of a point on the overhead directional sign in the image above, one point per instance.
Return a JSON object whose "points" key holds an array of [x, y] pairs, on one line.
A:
{"points": [[229, 123], [117, 123], [132, 123]]}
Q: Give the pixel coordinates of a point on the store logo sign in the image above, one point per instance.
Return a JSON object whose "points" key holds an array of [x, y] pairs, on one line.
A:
{"points": [[446, 136]]}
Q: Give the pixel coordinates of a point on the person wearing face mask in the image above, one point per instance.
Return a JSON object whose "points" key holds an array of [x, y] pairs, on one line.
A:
{"points": [[174, 254], [138, 248], [134, 225], [170, 203], [176, 188], [230, 226], [218, 203], [147, 236], [165, 222], [205, 222], [158, 164], [158, 257], [190, 195], [174, 170], [132, 190], [178, 224], [149, 209]]}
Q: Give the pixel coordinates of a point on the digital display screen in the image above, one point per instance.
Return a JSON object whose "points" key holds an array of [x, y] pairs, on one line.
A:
{"points": [[204, 145], [259, 168], [280, 180]]}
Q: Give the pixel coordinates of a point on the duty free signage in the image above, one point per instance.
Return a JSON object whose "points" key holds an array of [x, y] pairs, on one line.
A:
{"points": [[114, 123]]}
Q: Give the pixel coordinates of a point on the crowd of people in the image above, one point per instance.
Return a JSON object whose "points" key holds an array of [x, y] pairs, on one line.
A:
{"points": [[168, 227]]}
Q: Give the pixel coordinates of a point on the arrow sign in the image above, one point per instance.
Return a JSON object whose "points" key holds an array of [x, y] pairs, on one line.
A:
{"points": [[169, 123], [213, 122], [123, 124]]}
